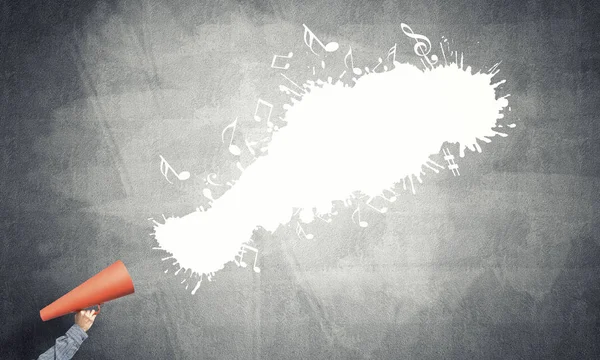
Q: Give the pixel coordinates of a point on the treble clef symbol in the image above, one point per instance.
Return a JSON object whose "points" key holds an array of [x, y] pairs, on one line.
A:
{"points": [[423, 45]]}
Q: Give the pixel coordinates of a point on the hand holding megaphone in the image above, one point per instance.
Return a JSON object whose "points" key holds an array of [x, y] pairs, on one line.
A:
{"points": [[85, 319], [95, 312], [109, 284]]}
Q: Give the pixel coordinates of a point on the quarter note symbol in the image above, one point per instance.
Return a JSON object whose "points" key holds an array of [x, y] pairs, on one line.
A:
{"points": [[300, 230], [284, 67], [361, 223], [310, 38], [355, 70], [234, 149], [165, 167]]}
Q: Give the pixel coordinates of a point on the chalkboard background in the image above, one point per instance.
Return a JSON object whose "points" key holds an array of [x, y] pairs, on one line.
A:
{"points": [[501, 262]]}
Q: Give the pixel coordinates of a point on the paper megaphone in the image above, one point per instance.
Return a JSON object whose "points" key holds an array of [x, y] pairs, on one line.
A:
{"points": [[109, 284]]}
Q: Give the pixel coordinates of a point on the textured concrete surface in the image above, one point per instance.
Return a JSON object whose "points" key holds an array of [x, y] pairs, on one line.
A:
{"points": [[499, 263]]}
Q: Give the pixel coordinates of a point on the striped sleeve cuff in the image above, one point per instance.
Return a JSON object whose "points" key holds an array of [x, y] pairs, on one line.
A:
{"points": [[77, 334]]}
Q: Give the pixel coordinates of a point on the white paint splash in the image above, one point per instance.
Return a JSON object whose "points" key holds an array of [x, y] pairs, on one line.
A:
{"points": [[340, 140]]}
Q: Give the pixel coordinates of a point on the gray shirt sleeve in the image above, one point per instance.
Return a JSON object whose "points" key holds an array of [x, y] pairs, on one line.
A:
{"points": [[65, 346]]}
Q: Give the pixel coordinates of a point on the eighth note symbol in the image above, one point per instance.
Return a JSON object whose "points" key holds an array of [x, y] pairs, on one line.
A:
{"points": [[165, 167], [450, 159], [310, 38]]}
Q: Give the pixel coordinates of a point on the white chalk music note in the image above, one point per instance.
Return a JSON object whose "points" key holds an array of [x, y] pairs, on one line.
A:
{"points": [[309, 38], [208, 179], [355, 70], [451, 164], [234, 149], [249, 145], [392, 53], [165, 167], [383, 210], [379, 63], [241, 262], [208, 194], [422, 46], [257, 117], [284, 67], [392, 198], [300, 230], [361, 223], [325, 220], [287, 90], [293, 83], [429, 161]]}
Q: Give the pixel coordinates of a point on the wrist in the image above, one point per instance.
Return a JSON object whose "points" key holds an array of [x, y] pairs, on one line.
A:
{"points": [[77, 333]]}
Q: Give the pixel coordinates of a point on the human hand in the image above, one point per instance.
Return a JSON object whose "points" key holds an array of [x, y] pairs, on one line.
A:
{"points": [[85, 319]]}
